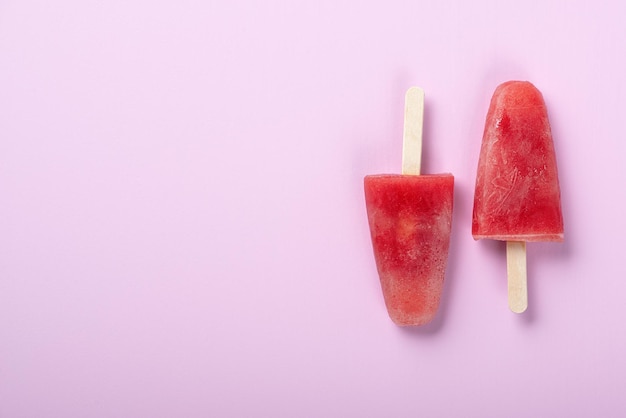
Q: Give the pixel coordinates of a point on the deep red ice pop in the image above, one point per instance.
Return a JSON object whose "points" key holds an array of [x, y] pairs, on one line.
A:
{"points": [[517, 197], [410, 217], [517, 194]]}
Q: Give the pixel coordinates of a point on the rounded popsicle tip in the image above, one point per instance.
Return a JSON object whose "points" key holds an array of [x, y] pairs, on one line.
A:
{"points": [[518, 309], [414, 90], [518, 94], [517, 306], [402, 320]]}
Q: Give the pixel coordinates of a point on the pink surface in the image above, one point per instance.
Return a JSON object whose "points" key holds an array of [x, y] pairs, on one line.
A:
{"points": [[183, 227]]}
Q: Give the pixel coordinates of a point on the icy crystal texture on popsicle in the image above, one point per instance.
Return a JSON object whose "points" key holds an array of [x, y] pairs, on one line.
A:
{"points": [[410, 221], [517, 195]]}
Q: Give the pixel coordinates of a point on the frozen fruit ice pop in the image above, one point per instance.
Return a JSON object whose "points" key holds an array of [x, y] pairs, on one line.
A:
{"points": [[410, 220], [517, 195], [410, 217]]}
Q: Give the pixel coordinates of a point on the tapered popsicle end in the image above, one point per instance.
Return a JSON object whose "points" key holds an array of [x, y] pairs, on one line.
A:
{"points": [[516, 273]]}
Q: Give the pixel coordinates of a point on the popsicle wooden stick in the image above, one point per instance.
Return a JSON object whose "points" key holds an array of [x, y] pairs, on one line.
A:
{"points": [[516, 272], [413, 122]]}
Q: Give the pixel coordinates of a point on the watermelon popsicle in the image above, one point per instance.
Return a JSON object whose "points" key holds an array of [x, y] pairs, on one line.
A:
{"points": [[410, 218], [517, 197]]}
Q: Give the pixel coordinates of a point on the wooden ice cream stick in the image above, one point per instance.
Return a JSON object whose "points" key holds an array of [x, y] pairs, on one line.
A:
{"points": [[412, 140], [516, 272]]}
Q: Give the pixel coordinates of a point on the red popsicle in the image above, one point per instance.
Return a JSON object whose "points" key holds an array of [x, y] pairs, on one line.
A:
{"points": [[517, 197], [410, 219]]}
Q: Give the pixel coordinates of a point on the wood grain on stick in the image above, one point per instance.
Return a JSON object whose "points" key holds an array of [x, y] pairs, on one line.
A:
{"points": [[516, 272], [413, 121]]}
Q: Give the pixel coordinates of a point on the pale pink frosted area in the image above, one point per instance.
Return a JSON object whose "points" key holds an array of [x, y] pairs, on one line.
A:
{"points": [[183, 228]]}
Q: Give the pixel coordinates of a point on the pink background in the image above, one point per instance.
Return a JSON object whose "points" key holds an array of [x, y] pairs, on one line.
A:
{"points": [[182, 222]]}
